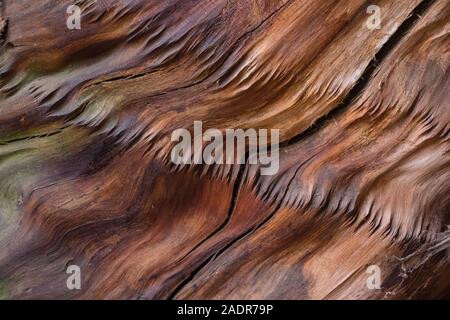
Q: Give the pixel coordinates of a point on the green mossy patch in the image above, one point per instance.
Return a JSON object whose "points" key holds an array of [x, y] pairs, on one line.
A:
{"points": [[3, 290]]}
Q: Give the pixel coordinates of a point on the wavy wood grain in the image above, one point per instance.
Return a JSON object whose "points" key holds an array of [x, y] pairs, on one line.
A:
{"points": [[85, 123]]}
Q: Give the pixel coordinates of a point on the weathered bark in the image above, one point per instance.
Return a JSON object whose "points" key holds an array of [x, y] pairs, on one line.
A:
{"points": [[86, 118]]}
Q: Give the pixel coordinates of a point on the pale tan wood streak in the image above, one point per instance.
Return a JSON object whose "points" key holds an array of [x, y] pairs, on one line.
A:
{"points": [[374, 153], [86, 118]]}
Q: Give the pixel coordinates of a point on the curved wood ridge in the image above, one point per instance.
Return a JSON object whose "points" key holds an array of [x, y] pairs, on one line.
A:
{"points": [[87, 116]]}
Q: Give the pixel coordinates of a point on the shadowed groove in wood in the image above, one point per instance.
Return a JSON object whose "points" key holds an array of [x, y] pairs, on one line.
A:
{"points": [[85, 123], [415, 229], [360, 85]]}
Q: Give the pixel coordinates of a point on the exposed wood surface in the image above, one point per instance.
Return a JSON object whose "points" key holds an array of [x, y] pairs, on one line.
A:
{"points": [[86, 118]]}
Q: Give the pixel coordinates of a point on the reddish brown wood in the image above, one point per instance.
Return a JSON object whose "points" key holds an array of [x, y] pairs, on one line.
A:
{"points": [[86, 118]]}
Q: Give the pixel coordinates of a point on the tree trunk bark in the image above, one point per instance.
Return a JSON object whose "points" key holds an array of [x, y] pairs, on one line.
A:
{"points": [[358, 204]]}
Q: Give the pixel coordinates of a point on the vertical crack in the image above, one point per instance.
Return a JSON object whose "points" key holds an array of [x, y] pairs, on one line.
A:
{"points": [[357, 89], [236, 189]]}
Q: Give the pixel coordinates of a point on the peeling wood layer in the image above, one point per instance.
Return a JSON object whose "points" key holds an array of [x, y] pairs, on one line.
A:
{"points": [[86, 118]]}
